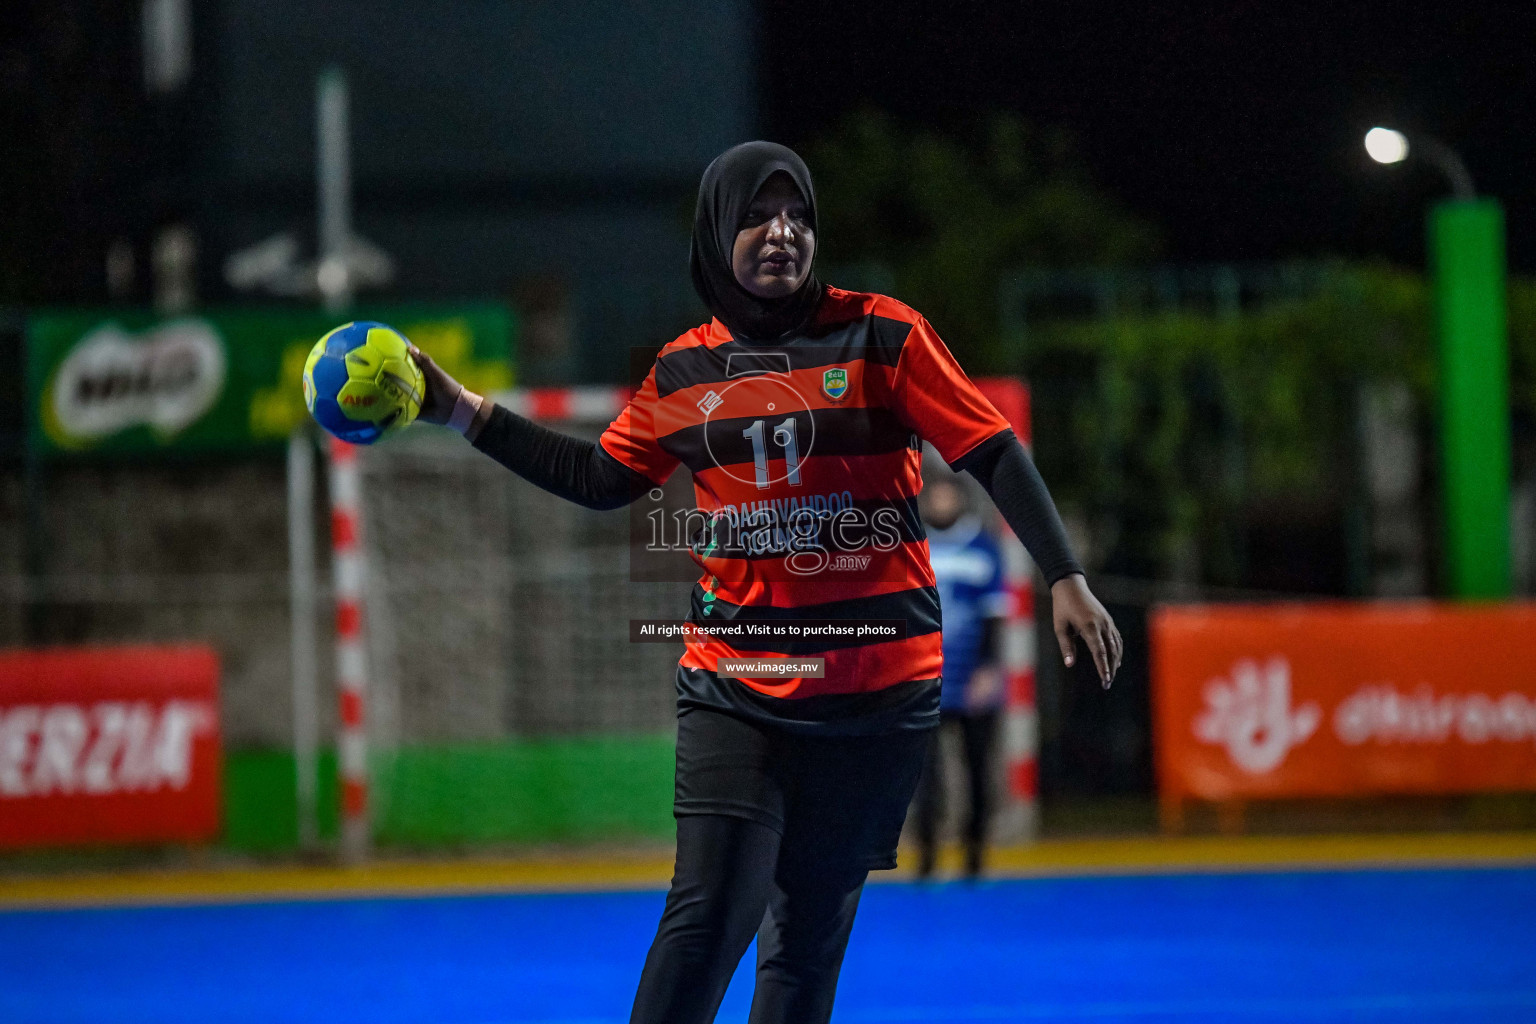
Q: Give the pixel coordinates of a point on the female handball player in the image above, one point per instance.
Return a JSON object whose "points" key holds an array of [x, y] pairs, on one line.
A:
{"points": [[800, 410]]}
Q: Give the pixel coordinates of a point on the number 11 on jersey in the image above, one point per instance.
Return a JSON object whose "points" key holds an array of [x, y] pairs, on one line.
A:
{"points": [[784, 435]]}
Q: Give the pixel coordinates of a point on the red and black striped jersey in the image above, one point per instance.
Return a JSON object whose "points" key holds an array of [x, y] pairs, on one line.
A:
{"points": [[806, 454]]}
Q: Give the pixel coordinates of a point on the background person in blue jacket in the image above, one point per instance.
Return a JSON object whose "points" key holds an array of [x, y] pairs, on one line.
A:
{"points": [[968, 567]]}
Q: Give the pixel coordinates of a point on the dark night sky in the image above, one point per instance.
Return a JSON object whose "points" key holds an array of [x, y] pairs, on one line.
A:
{"points": [[1234, 127]]}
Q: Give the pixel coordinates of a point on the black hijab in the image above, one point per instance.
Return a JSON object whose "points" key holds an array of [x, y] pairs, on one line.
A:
{"points": [[729, 185]]}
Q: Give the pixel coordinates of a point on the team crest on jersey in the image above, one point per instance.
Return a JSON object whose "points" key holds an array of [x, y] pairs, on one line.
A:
{"points": [[834, 383]]}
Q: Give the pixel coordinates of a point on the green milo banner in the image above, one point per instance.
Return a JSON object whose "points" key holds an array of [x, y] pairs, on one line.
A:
{"points": [[136, 383]]}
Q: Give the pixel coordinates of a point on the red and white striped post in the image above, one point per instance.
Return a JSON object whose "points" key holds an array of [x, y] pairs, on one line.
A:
{"points": [[1020, 815], [1021, 722], [351, 652]]}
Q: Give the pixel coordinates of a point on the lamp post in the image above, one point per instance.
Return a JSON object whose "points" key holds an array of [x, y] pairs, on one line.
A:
{"points": [[1466, 248]]}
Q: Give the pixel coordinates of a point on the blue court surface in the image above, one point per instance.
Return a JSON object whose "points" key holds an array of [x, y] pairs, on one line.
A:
{"points": [[1420, 945]]}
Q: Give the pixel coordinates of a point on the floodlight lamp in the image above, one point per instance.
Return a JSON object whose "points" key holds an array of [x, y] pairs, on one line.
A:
{"points": [[1386, 146]]}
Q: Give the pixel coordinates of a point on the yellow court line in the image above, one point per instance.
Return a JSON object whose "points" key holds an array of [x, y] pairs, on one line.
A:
{"points": [[1214, 853], [383, 878], [551, 873]]}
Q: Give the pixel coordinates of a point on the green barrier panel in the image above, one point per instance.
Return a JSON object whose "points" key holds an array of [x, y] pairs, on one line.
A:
{"points": [[1467, 243], [260, 806], [574, 790], [130, 382]]}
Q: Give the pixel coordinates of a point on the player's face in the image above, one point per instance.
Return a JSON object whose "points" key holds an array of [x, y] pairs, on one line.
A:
{"points": [[774, 244], [941, 503]]}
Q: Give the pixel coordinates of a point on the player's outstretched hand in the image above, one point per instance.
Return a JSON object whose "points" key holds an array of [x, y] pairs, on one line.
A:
{"points": [[1077, 612], [441, 391]]}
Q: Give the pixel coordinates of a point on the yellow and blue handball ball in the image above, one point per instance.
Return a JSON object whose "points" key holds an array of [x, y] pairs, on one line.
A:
{"points": [[360, 382]]}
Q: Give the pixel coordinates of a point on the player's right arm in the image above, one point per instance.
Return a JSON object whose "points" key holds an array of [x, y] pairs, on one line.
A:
{"points": [[565, 466]]}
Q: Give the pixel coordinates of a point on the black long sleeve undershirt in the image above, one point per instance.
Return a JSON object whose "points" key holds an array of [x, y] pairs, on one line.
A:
{"points": [[1010, 479], [565, 466]]}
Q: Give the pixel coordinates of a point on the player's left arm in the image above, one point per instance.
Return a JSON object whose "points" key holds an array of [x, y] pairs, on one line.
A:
{"points": [[1010, 478], [937, 399]]}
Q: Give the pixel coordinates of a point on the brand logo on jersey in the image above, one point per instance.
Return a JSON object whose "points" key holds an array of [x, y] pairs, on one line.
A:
{"points": [[834, 384], [709, 403]]}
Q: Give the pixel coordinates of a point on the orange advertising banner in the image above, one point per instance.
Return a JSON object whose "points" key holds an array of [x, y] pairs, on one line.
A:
{"points": [[1343, 699]]}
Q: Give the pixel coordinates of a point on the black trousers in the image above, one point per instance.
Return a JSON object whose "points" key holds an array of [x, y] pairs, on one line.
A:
{"points": [[776, 833], [978, 734]]}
